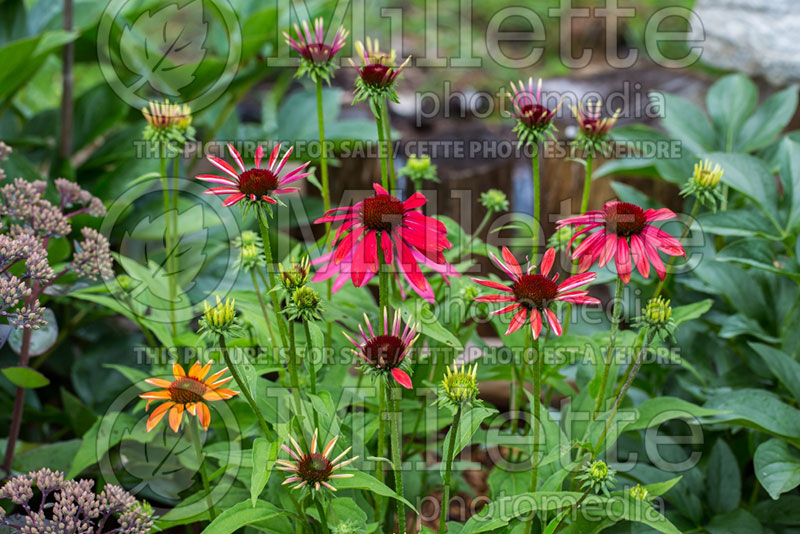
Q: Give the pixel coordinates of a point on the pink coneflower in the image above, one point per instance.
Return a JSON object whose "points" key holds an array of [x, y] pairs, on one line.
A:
{"points": [[589, 122], [255, 184], [313, 469], [623, 232], [384, 354], [312, 47], [535, 292], [378, 72], [407, 238], [529, 110]]}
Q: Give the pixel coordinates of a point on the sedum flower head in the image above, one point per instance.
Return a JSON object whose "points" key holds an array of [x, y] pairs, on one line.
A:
{"points": [[704, 184], [459, 385], [219, 319], [419, 169], [73, 195], [92, 258], [5, 150], [305, 305], [494, 200], [295, 276], [598, 476]]}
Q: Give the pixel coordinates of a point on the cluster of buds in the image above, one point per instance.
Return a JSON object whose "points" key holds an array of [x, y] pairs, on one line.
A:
{"points": [[377, 75], [494, 200], [168, 123], [459, 386], [704, 184], [639, 493], [92, 257], [598, 477], [419, 169], [220, 319], [72, 506], [5, 150], [563, 238], [305, 304], [534, 119], [251, 251], [657, 317], [17, 302], [296, 276], [73, 196], [592, 129], [316, 57]]}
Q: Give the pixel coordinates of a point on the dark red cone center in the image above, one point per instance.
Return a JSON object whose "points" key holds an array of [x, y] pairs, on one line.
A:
{"points": [[535, 114], [624, 219], [258, 182], [376, 74], [535, 291], [314, 468], [384, 352], [382, 212]]}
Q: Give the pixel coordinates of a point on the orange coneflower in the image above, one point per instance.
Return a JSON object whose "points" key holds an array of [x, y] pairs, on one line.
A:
{"points": [[187, 392]]}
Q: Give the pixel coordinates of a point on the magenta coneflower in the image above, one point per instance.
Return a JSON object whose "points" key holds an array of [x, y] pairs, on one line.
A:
{"points": [[314, 469], [623, 232], [407, 238], [534, 118], [312, 47], [590, 124], [384, 355], [254, 184], [377, 73], [535, 292]]}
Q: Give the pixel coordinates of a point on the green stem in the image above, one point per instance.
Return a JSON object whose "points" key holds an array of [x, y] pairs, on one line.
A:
{"points": [[264, 311], [323, 520], [323, 158], [478, 230], [381, 445], [293, 379], [264, 224], [535, 426], [448, 468], [194, 435], [397, 456], [168, 240], [640, 355], [381, 151], [387, 132], [265, 427], [616, 315], [175, 230], [537, 202], [312, 368], [661, 283]]}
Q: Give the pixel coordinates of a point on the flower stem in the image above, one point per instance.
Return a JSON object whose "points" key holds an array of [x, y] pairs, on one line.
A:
{"points": [[397, 455], [478, 230], [535, 426], [382, 149], [295, 382], [326, 193], [323, 520], [19, 407], [381, 445], [264, 224], [615, 318], [387, 129], [587, 188], [168, 240], [267, 320], [661, 283], [537, 202], [265, 427], [312, 368], [175, 270], [194, 434], [448, 468], [628, 381]]}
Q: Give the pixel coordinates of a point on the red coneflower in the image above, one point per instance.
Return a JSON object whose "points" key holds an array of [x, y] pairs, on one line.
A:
{"points": [[533, 116], [624, 232], [535, 292], [384, 354], [377, 73], [590, 124], [407, 238], [254, 184], [313, 469], [187, 393], [312, 47]]}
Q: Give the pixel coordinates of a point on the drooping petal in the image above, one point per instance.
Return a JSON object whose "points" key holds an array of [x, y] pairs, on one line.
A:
{"points": [[547, 261], [536, 323], [623, 260], [576, 281], [175, 417], [517, 321], [494, 285], [512, 263], [552, 320], [158, 414], [402, 378], [639, 255]]}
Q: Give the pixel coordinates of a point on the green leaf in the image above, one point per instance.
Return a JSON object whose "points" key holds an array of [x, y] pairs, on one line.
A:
{"points": [[723, 481], [785, 368], [749, 176], [420, 311], [736, 522], [344, 512], [730, 101], [367, 482], [471, 420], [790, 177], [56, 456], [241, 515], [759, 409], [769, 120], [264, 456], [687, 122], [777, 467], [658, 489], [96, 442], [690, 312], [25, 377], [22, 58], [653, 412], [748, 222]]}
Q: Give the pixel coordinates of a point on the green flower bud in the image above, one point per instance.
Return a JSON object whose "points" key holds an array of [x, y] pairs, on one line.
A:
{"points": [[494, 200], [296, 276], [640, 493], [459, 386], [704, 184], [305, 305], [219, 319], [598, 476]]}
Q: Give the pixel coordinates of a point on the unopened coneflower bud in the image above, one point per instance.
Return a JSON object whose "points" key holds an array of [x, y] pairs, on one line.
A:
{"points": [[219, 319], [168, 122], [598, 476], [418, 169], [494, 200], [704, 184], [459, 385], [296, 275], [639, 493], [658, 311], [250, 256], [305, 305], [247, 238]]}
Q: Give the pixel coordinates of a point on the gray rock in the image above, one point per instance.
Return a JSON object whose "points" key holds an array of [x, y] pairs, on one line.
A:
{"points": [[758, 37]]}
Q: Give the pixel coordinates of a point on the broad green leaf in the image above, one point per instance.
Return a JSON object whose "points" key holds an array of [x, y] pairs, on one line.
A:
{"points": [[737, 522], [653, 412], [264, 456], [768, 121], [420, 312], [660, 488], [749, 176], [690, 312], [367, 482], [687, 122], [723, 479], [25, 377], [730, 101], [748, 222], [777, 467], [344, 515], [758, 409], [106, 433], [241, 515], [790, 177], [785, 368], [471, 420], [56, 456]]}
